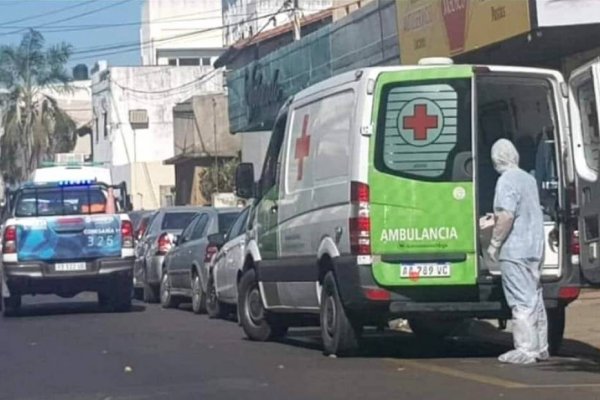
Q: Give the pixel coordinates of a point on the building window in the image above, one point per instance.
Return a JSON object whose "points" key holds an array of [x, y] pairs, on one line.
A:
{"points": [[105, 118], [189, 62], [96, 123], [206, 61], [173, 62]]}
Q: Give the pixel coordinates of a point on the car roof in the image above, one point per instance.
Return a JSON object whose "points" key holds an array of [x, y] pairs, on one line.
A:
{"points": [[182, 209]]}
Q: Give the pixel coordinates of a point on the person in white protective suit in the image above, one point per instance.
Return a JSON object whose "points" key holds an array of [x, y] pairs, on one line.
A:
{"points": [[518, 244]]}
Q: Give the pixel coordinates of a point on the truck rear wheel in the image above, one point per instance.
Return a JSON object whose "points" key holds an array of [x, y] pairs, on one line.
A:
{"points": [[12, 305], [339, 332], [119, 297], [556, 328], [258, 324]]}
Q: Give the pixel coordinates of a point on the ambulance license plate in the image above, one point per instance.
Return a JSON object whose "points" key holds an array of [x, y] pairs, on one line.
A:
{"points": [[70, 267], [428, 270]]}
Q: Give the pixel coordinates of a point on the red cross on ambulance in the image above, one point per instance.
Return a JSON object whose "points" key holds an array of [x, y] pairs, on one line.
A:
{"points": [[420, 122], [302, 148]]}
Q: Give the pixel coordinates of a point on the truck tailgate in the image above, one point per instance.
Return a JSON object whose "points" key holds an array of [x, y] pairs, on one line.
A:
{"points": [[64, 238]]}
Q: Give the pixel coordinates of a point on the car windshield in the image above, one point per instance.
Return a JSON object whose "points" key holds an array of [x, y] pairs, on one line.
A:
{"points": [[177, 220], [53, 201], [226, 220]]}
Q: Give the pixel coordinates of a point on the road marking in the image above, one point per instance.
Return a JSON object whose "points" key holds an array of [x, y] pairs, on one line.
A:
{"points": [[488, 380]]}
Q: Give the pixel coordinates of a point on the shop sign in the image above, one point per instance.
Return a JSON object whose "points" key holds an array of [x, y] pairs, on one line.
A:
{"points": [[428, 28]]}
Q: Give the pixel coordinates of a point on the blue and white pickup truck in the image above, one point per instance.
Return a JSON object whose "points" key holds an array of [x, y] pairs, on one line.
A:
{"points": [[65, 238]]}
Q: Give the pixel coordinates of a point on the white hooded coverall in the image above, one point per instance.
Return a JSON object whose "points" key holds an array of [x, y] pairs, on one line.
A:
{"points": [[518, 243]]}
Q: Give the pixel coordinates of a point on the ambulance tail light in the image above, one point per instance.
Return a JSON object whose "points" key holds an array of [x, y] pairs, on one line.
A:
{"points": [[568, 294], [360, 222], [9, 240]]}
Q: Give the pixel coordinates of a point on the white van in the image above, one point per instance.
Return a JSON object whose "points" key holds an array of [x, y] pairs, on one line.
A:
{"points": [[374, 181]]}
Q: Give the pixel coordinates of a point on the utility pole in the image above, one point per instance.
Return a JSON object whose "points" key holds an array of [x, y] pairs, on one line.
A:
{"points": [[214, 104], [295, 17]]}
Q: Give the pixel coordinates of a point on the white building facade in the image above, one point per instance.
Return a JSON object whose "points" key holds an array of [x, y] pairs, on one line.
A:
{"points": [[244, 18], [181, 32], [136, 152]]}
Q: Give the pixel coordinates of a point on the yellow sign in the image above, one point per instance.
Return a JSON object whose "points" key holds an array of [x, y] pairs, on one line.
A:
{"points": [[429, 28]]}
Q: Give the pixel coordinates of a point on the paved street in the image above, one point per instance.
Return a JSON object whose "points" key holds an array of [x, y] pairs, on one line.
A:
{"points": [[71, 350]]}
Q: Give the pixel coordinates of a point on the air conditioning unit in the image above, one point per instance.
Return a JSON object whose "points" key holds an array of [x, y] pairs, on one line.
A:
{"points": [[68, 158]]}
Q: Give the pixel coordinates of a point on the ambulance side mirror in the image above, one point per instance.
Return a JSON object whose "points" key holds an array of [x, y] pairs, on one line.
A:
{"points": [[244, 181]]}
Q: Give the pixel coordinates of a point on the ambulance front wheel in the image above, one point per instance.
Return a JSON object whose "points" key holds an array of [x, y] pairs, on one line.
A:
{"points": [[340, 333], [259, 324]]}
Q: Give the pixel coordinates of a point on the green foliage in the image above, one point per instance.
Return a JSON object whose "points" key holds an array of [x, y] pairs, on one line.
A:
{"points": [[35, 127], [226, 181]]}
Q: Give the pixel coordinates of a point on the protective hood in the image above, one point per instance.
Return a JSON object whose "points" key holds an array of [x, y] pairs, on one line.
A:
{"points": [[504, 156]]}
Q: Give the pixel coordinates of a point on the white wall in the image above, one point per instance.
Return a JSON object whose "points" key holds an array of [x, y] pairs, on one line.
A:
{"points": [[171, 18], [247, 17], [118, 90]]}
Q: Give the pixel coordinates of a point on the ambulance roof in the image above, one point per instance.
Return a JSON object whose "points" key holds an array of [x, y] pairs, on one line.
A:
{"points": [[363, 74]]}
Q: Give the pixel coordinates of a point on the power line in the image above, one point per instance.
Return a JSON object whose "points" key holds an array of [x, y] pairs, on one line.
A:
{"points": [[83, 14], [200, 79], [124, 46], [58, 11], [128, 47], [75, 28]]}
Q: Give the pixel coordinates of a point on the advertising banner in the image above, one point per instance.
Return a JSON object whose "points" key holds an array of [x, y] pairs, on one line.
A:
{"points": [[442, 28]]}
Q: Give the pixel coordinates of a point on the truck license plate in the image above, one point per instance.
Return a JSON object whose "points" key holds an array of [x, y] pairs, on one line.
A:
{"points": [[70, 267], [425, 270]]}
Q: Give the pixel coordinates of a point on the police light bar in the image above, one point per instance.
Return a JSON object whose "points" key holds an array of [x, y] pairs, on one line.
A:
{"points": [[77, 182]]}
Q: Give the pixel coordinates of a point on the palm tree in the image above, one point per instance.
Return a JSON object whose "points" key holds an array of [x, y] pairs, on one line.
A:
{"points": [[34, 125]]}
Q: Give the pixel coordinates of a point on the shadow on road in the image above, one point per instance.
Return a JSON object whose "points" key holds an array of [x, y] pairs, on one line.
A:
{"points": [[68, 307], [471, 343]]}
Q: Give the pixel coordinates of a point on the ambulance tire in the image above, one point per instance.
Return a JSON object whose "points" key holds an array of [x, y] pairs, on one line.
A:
{"points": [[431, 329], [340, 334], [556, 328], [259, 324], [11, 306]]}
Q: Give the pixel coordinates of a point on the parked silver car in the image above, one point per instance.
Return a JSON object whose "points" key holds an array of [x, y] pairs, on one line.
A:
{"points": [[226, 268], [165, 225], [185, 274]]}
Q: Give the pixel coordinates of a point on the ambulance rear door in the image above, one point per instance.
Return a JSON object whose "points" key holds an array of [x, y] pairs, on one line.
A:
{"points": [[584, 102]]}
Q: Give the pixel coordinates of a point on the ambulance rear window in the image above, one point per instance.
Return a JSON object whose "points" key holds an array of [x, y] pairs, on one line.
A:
{"points": [[424, 130]]}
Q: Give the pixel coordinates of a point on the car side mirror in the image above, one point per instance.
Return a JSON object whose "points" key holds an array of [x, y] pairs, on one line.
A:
{"points": [[244, 181], [217, 239]]}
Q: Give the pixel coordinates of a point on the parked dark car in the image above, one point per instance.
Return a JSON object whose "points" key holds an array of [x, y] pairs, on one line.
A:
{"points": [[140, 220], [186, 272], [165, 225]]}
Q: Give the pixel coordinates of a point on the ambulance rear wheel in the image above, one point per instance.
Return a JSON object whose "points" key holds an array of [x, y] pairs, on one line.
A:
{"points": [[556, 328], [340, 334]]}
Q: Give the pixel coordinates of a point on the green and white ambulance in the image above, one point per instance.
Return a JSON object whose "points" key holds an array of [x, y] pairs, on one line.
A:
{"points": [[375, 181]]}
